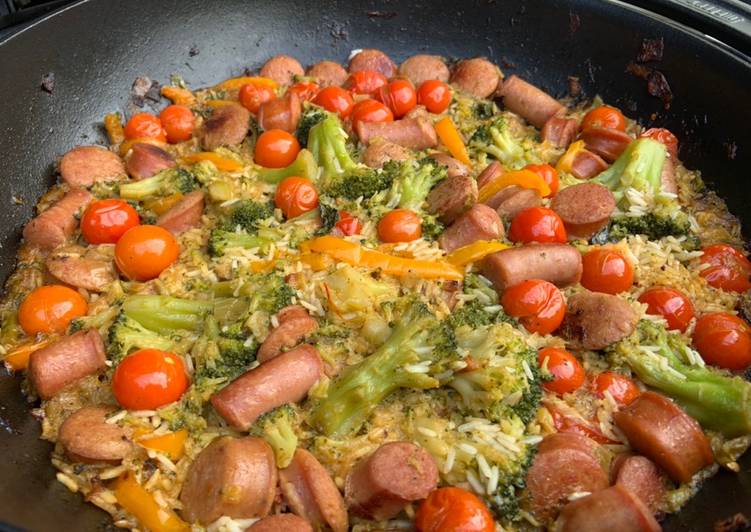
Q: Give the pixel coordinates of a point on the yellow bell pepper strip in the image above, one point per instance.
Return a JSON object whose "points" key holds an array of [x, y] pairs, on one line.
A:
{"points": [[179, 96], [172, 444], [452, 139], [139, 502], [316, 261], [222, 163], [236, 83], [128, 144], [17, 358], [566, 161], [474, 252], [161, 205], [522, 178], [113, 125], [218, 103]]}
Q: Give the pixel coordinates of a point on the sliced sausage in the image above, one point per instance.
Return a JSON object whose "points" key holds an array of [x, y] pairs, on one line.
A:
{"points": [[606, 142], [641, 477], [380, 151], [86, 437], [452, 197], [311, 493], [328, 73], [559, 264], [87, 268], [587, 165], [294, 325], [412, 133], [534, 105], [615, 508], [186, 214], [281, 113], [235, 477], [281, 523], [479, 223], [282, 380], [379, 486], [227, 126], [594, 320], [58, 223], [146, 160], [423, 67], [585, 208], [282, 69], [85, 165], [510, 201], [54, 367], [370, 59], [559, 131], [453, 167], [667, 177], [660, 430], [491, 172], [478, 77]]}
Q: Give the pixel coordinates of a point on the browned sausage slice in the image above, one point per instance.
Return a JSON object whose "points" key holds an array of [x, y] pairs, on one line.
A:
{"points": [[594, 320], [510, 201], [87, 438], [294, 325], [58, 223], [667, 177], [282, 69], [54, 367], [534, 105], [281, 523], [185, 215], [85, 165], [146, 160], [559, 131], [227, 126], [585, 208], [615, 509], [235, 477], [491, 172], [478, 223], [379, 486], [642, 477], [606, 142], [380, 151], [281, 113], [423, 67], [88, 268], [328, 73], [370, 59], [282, 380], [559, 264], [412, 133], [452, 197], [291, 312], [587, 165], [478, 77], [659, 429], [453, 167]]}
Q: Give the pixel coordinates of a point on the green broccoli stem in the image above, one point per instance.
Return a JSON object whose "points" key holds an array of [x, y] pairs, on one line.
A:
{"points": [[416, 184], [638, 167], [160, 313], [304, 165], [221, 239], [327, 142], [145, 188]]}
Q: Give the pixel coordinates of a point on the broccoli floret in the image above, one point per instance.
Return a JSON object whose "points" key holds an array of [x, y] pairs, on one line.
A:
{"points": [[170, 181], [127, 334], [654, 226], [327, 142], [311, 116], [639, 167], [431, 227], [261, 291], [246, 215], [717, 400], [471, 314], [165, 313], [494, 138], [483, 109], [412, 180], [304, 165], [362, 182], [278, 429], [223, 353], [329, 215]]}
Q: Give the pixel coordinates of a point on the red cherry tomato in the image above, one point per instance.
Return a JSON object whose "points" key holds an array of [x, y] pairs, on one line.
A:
{"points": [[145, 251], [335, 100], [434, 95], [253, 96], [453, 510], [568, 373], [671, 304], [537, 224], [348, 225], [606, 270], [50, 309], [620, 387], [365, 82], [370, 111], [666, 137], [723, 340], [145, 125], [305, 90], [105, 221], [538, 304], [149, 379], [178, 122], [399, 96], [728, 269], [296, 196], [276, 148], [547, 173], [606, 117], [400, 225]]}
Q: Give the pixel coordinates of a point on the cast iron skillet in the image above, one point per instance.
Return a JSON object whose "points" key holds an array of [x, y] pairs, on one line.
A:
{"points": [[97, 48]]}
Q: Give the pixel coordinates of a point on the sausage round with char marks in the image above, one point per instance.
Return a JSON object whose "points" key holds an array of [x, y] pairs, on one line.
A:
{"points": [[281, 523], [146, 160], [87, 437], [58, 223], [422, 67], [371, 59], [614, 508], [281, 113], [89, 268], [559, 264], [379, 486], [479, 223], [412, 133], [282, 69], [560, 131], [594, 320], [227, 126], [453, 167], [380, 151], [452, 197], [186, 214], [328, 73], [478, 77], [490, 173], [235, 477], [642, 477], [608, 143], [85, 165], [585, 208], [660, 430], [587, 165], [534, 105], [294, 324], [510, 201]]}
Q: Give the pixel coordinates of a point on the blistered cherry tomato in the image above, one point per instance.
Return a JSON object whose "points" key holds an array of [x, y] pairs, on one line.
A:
{"points": [[347, 224], [728, 269], [547, 173], [253, 96], [370, 111], [335, 100], [620, 387], [50, 309], [435, 95], [276, 148], [145, 251], [296, 196], [606, 117], [399, 96], [606, 270], [400, 225], [537, 224], [305, 90], [453, 510], [178, 122], [149, 379], [145, 125], [538, 304], [365, 82], [723, 340], [105, 221], [666, 137], [567, 372], [671, 304]]}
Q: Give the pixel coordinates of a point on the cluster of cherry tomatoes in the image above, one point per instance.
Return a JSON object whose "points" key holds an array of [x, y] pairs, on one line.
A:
{"points": [[174, 124]]}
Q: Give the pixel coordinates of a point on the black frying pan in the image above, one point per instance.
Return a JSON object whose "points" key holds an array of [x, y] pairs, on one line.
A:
{"points": [[97, 48]]}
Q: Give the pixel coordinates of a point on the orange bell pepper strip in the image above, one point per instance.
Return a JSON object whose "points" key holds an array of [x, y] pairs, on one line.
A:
{"points": [[113, 125], [218, 103], [171, 444], [222, 163], [161, 205], [236, 83], [452, 139], [179, 96], [128, 144], [566, 161], [17, 358], [139, 502], [474, 252], [522, 178], [316, 261]]}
